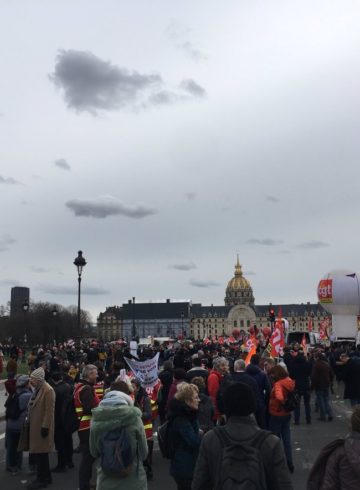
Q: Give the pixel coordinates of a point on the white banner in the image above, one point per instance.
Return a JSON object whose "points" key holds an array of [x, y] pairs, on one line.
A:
{"points": [[145, 371]]}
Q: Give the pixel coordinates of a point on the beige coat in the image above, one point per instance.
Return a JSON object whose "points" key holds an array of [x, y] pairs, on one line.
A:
{"points": [[41, 414]]}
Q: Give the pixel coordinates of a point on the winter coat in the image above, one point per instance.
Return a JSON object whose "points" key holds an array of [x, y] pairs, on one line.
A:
{"points": [[166, 378], [244, 429], [24, 397], [213, 386], [342, 470], [350, 374], [206, 412], [262, 380], [197, 372], [242, 377], [300, 371], [322, 375], [41, 415], [106, 419], [172, 391], [185, 439], [278, 396], [63, 392]]}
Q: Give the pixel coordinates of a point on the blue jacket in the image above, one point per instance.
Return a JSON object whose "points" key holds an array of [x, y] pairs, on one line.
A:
{"points": [[262, 381], [24, 397], [185, 438]]}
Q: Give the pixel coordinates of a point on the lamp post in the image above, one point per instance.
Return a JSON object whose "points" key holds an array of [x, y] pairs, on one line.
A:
{"points": [[25, 308], [182, 324], [133, 333], [54, 314], [80, 263]]}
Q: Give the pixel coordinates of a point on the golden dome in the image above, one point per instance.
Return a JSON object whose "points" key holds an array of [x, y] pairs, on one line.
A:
{"points": [[238, 281]]}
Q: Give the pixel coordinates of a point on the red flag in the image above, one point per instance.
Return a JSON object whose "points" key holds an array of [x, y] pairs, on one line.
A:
{"points": [[251, 353], [323, 328], [310, 325], [221, 340], [280, 313], [277, 341], [303, 344]]}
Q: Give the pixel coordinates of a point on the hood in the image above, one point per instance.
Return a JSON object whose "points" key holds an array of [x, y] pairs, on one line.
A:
{"points": [[114, 417], [352, 451], [287, 383], [180, 409], [253, 369]]}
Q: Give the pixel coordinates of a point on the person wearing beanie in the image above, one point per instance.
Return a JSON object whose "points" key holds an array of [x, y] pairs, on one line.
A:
{"points": [[14, 422], [117, 411], [41, 410], [241, 428]]}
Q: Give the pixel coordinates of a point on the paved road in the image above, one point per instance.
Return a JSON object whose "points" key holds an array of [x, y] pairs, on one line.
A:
{"points": [[307, 442]]}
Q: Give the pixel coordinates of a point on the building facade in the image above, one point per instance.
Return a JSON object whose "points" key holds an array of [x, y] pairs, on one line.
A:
{"points": [[185, 319]]}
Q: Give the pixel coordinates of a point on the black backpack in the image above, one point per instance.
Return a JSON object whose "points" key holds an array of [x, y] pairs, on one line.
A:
{"points": [[292, 401], [116, 458], [164, 440], [242, 466], [12, 406]]}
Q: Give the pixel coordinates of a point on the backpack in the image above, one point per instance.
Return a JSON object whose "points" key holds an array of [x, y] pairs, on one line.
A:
{"points": [[292, 401], [241, 462], [116, 459], [317, 472], [70, 420], [12, 406], [224, 384], [164, 440]]}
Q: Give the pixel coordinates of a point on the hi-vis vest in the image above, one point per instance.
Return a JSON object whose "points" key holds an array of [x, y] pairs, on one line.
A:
{"points": [[153, 395], [99, 390], [79, 409]]}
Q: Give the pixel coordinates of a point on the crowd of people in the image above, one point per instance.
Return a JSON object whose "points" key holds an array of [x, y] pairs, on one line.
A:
{"points": [[227, 417]]}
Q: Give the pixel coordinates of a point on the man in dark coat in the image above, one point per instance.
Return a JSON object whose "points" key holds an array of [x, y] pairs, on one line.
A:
{"points": [[321, 381], [253, 369], [239, 403], [240, 376], [350, 373], [300, 372]]}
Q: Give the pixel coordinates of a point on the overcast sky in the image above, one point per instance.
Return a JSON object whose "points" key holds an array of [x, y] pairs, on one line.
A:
{"points": [[163, 138]]}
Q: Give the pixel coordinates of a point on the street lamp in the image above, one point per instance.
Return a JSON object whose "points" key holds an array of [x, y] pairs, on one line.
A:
{"points": [[25, 308], [80, 263], [133, 333]]}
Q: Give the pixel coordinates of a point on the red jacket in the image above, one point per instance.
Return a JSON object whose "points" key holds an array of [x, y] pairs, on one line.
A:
{"points": [[213, 385], [278, 396]]}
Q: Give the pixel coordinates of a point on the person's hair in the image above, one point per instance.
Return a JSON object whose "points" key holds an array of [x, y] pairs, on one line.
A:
{"points": [[255, 359], [89, 368], [239, 365], [278, 372], [219, 361], [239, 400], [200, 383], [168, 366], [196, 361], [120, 386], [65, 368], [99, 365], [117, 366], [355, 419], [179, 373], [185, 391], [57, 376], [269, 360]]}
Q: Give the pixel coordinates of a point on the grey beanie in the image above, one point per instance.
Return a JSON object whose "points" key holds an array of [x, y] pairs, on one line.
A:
{"points": [[38, 373]]}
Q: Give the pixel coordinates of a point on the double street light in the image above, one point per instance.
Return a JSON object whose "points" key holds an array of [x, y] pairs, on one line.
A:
{"points": [[80, 263], [25, 308]]}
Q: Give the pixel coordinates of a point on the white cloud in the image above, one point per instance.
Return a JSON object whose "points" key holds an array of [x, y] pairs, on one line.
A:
{"points": [[104, 206]]}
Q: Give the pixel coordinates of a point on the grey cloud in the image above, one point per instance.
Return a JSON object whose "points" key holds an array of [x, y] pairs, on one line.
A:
{"points": [[9, 282], [193, 88], [103, 206], [202, 284], [179, 34], [190, 195], [5, 242], [38, 270], [192, 51], [183, 267], [268, 242], [91, 84], [68, 290], [8, 180], [312, 245], [62, 163], [272, 199]]}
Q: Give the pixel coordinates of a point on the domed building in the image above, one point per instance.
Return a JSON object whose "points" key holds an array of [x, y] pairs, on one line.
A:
{"points": [[239, 290]]}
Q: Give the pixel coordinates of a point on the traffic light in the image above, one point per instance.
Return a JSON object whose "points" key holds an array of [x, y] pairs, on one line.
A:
{"points": [[272, 315]]}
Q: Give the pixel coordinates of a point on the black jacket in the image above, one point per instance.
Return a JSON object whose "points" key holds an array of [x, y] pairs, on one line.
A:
{"points": [[300, 372]]}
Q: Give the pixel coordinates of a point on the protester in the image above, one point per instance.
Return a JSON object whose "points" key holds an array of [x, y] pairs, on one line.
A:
{"points": [[16, 406], [178, 377], [280, 418], [300, 371], [41, 427], [262, 380], [339, 469], [215, 379], [321, 381], [197, 369], [62, 436], [349, 372], [184, 434], [206, 406], [242, 429], [166, 379], [85, 400], [116, 412]]}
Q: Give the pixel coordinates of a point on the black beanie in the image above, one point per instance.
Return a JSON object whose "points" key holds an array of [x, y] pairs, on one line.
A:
{"points": [[239, 400]]}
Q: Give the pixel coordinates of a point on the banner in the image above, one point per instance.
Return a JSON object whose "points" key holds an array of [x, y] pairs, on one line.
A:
{"points": [[323, 329], [145, 371], [277, 340], [325, 291]]}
